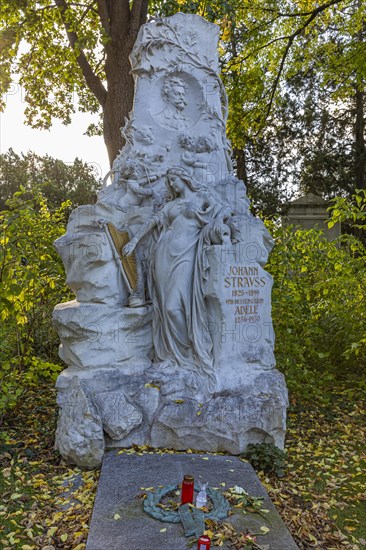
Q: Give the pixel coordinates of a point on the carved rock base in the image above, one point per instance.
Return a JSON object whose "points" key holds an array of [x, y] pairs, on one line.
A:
{"points": [[106, 408], [100, 335]]}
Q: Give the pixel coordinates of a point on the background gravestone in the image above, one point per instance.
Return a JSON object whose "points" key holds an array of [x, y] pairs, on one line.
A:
{"points": [[310, 212], [174, 349]]}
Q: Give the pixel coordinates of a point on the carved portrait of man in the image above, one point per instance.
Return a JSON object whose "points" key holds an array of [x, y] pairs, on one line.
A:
{"points": [[174, 93]]}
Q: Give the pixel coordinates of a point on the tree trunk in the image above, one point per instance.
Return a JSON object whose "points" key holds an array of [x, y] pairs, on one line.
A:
{"points": [[241, 169], [120, 95], [125, 20], [360, 150]]}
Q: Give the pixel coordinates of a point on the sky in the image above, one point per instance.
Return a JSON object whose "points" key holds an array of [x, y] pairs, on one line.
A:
{"points": [[61, 142]]}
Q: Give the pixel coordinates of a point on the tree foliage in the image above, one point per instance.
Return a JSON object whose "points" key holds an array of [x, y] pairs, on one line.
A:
{"points": [[295, 73], [56, 180], [308, 54], [61, 48], [309, 147]]}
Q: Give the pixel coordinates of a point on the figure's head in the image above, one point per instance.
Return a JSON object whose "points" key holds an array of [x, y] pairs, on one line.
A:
{"points": [[187, 141], [144, 135], [174, 92], [131, 170], [205, 144], [178, 176]]}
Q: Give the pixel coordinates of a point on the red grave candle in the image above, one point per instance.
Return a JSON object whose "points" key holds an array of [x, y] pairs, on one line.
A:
{"points": [[187, 489], [204, 543]]}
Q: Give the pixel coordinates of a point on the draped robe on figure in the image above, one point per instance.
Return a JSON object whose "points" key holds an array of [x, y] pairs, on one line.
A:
{"points": [[177, 282]]}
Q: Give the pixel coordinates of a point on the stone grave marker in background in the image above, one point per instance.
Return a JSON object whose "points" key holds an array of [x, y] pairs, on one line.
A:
{"points": [[310, 212]]}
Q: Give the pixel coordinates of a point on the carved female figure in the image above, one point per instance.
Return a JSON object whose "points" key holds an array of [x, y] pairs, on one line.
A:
{"points": [[189, 220]]}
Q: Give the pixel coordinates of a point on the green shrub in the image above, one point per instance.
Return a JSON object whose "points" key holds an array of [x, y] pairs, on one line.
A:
{"points": [[266, 457], [32, 282], [319, 307]]}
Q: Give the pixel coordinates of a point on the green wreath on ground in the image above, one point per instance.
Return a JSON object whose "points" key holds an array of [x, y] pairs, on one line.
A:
{"points": [[219, 510]]}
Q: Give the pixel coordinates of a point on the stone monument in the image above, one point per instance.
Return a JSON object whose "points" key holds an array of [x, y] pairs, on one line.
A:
{"points": [[311, 212], [169, 341]]}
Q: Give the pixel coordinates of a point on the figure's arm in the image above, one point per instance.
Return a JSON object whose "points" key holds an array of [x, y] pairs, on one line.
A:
{"points": [[199, 164], [138, 190], [188, 159], [223, 211]]}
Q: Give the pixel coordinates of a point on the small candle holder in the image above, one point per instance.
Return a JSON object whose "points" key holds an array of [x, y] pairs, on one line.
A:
{"points": [[204, 543], [187, 489]]}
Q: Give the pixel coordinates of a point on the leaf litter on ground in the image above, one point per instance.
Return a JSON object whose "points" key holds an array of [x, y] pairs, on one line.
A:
{"points": [[46, 503]]}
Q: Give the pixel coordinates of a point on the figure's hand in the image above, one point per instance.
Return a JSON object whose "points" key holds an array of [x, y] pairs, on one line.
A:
{"points": [[220, 234], [158, 199], [129, 247]]}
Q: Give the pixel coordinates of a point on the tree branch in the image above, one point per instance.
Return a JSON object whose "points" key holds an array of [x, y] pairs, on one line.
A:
{"points": [[93, 81], [305, 13], [313, 14], [108, 8], [82, 6], [119, 14], [279, 73], [137, 10], [290, 39], [143, 12], [286, 37], [24, 21], [84, 14], [104, 16]]}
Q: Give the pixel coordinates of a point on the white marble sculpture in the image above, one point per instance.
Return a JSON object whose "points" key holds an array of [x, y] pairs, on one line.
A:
{"points": [[180, 353]]}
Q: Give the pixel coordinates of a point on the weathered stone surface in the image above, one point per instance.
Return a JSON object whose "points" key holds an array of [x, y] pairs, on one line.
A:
{"points": [[311, 212], [238, 298], [88, 257], [79, 434], [132, 409], [123, 476], [226, 422], [98, 335], [122, 406], [90, 260], [118, 416]]}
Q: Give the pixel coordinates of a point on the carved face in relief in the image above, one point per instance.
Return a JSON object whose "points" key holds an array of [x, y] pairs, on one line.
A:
{"points": [[187, 141], [144, 135], [131, 169], [174, 92], [176, 183], [205, 144], [178, 179], [180, 97]]}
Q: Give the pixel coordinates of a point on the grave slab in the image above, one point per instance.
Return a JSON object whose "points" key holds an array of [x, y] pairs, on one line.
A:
{"points": [[123, 476]]}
